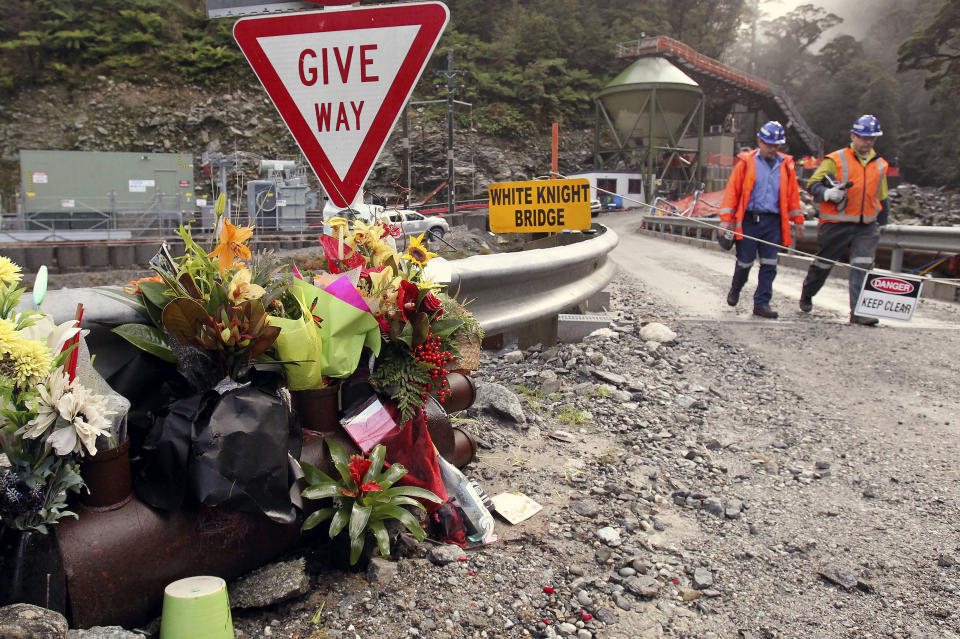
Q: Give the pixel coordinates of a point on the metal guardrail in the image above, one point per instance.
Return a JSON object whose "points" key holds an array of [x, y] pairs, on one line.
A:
{"points": [[509, 290], [513, 289], [895, 237]]}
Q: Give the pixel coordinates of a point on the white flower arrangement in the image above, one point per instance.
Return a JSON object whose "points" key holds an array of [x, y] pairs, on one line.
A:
{"points": [[47, 421], [69, 417]]}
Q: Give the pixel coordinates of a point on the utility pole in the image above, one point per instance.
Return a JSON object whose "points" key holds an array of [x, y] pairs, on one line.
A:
{"points": [[450, 73]]}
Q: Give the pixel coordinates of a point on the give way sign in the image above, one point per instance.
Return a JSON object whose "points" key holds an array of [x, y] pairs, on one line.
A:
{"points": [[339, 78]]}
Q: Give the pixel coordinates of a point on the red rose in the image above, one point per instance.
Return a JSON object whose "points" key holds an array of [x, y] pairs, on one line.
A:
{"points": [[432, 304]]}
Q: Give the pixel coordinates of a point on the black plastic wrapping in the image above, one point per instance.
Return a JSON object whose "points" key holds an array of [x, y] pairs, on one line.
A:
{"points": [[232, 446]]}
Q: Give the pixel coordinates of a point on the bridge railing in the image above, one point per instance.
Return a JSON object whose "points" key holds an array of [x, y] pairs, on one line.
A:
{"points": [[896, 237]]}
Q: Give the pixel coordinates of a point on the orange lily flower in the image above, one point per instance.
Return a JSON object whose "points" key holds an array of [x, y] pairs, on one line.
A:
{"points": [[133, 286], [231, 244]]}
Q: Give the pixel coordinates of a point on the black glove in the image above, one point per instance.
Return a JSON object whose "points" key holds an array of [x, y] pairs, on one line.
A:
{"points": [[883, 217], [816, 190]]}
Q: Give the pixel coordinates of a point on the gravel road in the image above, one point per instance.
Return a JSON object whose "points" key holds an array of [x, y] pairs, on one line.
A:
{"points": [[747, 479]]}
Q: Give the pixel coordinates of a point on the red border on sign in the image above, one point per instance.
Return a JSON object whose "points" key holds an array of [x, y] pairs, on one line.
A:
{"points": [[430, 16]]}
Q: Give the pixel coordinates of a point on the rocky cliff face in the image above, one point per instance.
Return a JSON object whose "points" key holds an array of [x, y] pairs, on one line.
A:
{"points": [[118, 116]]}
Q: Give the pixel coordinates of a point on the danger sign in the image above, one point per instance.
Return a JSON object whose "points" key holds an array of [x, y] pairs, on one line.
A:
{"points": [[339, 78], [539, 206], [889, 296]]}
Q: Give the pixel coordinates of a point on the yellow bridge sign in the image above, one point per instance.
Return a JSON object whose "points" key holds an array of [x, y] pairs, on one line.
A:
{"points": [[540, 206]]}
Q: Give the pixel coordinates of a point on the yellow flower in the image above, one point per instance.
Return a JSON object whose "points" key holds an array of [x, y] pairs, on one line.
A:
{"points": [[339, 226], [425, 284], [241, 289], [8, 335], [231, 245], [31, 361], [9, 271], [364, 235], [382, 280], [381, 253], [418, 253]]}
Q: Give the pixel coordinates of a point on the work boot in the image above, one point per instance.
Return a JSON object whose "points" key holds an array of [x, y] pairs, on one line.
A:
{"points": [[863, 321], [765, 311], [806, 304], [733, 297]]}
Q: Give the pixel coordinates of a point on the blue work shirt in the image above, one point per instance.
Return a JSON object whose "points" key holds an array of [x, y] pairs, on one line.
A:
{"points": [[765, 196]]}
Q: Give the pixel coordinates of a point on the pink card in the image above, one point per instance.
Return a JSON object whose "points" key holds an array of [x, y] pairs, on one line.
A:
{"points": [[369, 426]]}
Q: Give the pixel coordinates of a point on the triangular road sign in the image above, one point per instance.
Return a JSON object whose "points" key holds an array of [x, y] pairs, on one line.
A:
{"points": [[339, 78]]}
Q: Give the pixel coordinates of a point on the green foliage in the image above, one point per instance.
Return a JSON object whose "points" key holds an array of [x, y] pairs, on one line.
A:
{"points": [[541, 61], [404, 377], [571, 416], [934, 47], [44, 41], [364, 497]]}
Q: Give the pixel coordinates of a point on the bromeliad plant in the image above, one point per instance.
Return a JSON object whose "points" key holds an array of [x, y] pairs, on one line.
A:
{"points": [[364, 497]]}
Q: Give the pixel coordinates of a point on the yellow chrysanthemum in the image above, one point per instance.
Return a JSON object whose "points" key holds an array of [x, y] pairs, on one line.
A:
{"points": [[9, 271], [31, 361], [417, 252], [8, 335]]}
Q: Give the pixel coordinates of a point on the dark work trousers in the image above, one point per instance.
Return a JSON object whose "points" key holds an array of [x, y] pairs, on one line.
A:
{"points": [[765, 227], [833, 238]]}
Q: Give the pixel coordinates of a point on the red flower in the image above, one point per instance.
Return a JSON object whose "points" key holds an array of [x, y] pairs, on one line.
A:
{"points": [[407, 298], [365, 272], [391, 229], [350, 260], [358, 470], [431, 303], [384, 324]]}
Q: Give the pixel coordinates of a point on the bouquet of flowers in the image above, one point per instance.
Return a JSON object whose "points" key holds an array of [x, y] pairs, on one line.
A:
{"points": [[417, 320], [213, 305], [48, 419], [228, 441]]}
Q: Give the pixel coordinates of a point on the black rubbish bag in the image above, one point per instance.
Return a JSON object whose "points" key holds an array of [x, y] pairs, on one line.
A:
{"points": [[234, 446]]}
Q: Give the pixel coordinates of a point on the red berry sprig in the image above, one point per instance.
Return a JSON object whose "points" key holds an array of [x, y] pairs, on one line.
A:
{"points": [[430, 352]]}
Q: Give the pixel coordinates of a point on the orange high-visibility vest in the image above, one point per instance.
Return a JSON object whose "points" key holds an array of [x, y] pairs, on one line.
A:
{"points": [[863, 197], [740, 186]]}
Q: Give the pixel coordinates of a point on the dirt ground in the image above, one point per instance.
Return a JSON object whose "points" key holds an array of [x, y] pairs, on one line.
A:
{"points": [[748, 479]]}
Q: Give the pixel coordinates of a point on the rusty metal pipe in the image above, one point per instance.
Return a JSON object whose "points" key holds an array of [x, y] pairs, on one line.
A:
{"points": [[118, 560]]}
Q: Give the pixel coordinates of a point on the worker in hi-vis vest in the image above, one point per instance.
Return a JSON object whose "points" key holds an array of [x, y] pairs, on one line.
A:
{"points": [[762, 198], [851, 186]]}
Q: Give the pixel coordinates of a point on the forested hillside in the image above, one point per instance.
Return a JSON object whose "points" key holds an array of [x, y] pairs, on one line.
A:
{"points": [[534, 62]]}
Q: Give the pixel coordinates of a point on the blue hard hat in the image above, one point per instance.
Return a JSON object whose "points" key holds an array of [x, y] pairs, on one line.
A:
{"points": [[867, 126], [772, 133]]}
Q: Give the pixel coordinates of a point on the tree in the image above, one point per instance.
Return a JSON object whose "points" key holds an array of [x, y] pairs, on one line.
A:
{"points": [[788, 39], [839, 53], [935, 48]]}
